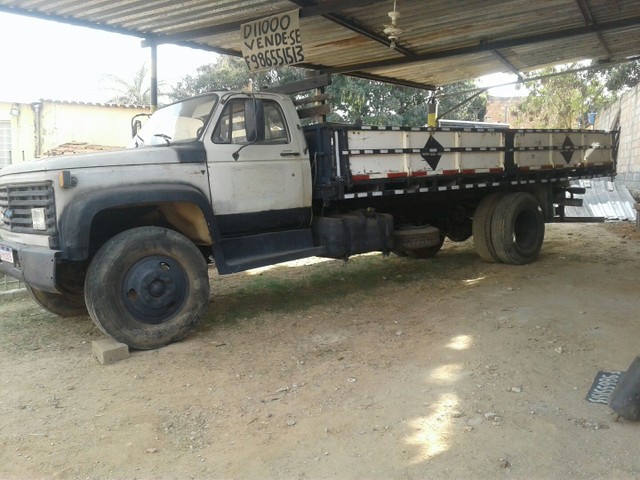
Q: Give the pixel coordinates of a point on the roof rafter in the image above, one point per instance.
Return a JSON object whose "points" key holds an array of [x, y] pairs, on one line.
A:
{"points": [[489, 46], [329, 6], [589, 20], [359, 28], [507, 63]]}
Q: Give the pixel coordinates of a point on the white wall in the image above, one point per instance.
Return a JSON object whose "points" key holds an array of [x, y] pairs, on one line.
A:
{"points": [[37, 128]]}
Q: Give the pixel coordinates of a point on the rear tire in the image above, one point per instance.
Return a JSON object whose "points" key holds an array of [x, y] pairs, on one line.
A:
{"points": [[517, 228], [481, 228], [62, 304], [147, 287]]}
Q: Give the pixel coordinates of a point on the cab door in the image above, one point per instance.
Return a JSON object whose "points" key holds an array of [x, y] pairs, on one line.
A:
{"points": [[259, 172]]}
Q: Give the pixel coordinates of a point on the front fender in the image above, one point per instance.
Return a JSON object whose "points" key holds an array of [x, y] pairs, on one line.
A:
{"points": [[75, 221]]}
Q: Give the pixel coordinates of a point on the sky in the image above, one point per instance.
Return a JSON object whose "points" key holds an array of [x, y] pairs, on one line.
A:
{"points": [[50, 60], [62, 62]]}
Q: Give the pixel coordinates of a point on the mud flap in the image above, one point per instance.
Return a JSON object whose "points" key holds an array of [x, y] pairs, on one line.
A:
{"points": [[625, 399]]}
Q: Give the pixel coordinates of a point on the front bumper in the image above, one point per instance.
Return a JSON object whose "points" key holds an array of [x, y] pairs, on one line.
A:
{"points": [[33, 265]]}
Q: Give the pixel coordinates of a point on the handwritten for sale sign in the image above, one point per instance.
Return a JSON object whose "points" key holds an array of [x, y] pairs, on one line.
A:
{"points": [[272, 42]]}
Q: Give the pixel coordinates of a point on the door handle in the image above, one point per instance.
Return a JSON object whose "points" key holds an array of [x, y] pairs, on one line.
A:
{"points": [[289, 153]]}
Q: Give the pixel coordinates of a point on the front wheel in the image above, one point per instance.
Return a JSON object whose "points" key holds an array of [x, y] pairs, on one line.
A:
{"points": [[147, 287], [62, 304]]}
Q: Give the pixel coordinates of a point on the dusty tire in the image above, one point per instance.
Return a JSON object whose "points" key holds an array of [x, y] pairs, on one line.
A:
{"points": [[481, 228], [147, 287], [418, 242], [426, 252], [517, 228], [62, 304]]}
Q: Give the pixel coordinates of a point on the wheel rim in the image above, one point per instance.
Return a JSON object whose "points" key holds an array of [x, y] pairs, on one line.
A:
{"points": [[154, 289]]}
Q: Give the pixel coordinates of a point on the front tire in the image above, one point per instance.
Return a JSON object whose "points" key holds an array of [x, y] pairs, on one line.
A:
{"points": [[62, 304], [147, 287]]}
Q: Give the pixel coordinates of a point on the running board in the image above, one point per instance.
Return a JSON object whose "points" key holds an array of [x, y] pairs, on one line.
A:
{"points": [[238, 254]]}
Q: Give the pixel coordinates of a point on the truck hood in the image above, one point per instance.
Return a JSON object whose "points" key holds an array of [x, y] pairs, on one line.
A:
{"points": [[192, 152]]}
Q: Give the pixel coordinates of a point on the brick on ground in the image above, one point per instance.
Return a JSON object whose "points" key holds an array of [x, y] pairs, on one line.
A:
{"points": [[108, 351]]}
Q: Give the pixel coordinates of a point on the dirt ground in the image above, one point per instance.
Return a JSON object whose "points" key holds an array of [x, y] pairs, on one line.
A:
{"points": [[381, 368]]}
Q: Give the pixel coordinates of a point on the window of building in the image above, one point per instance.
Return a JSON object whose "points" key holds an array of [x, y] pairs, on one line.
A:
{"points": [[5, 144]]}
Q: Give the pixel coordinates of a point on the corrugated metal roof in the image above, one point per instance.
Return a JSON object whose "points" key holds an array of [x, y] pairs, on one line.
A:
{"points": [[444, 41], [605, 199]]}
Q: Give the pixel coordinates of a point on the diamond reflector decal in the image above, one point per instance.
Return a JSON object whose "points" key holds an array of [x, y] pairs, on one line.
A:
{"points": [[567, 149], [431, 152]]}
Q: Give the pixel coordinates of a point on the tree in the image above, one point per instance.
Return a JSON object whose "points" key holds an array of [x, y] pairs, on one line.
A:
{"points": [[459, 100], [564, 101], [384, 104], [353, 99], [134, 92], [231, 73], [621, 77]]}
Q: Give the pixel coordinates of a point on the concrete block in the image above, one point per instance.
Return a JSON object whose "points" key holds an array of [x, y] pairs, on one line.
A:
{"points": [[108, 351]]}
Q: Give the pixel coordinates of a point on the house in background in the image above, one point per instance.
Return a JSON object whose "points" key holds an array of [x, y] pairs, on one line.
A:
{"points": [[33, 130], [505, 110]]}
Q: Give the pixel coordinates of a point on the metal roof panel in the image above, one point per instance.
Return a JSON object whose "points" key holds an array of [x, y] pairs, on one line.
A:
{"points": [[441, 41]]}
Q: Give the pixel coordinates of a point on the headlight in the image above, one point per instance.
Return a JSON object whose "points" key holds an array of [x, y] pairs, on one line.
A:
{"points": [[38, 219]]}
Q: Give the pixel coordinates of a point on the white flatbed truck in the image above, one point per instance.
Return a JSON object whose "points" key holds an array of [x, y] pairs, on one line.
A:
{"points": [[234, 179]]}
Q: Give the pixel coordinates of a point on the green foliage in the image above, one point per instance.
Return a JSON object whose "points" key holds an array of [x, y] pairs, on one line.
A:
{"points": [[231, 73], [353, 99], [621, 77], [456, 93], [379, 103], [563, 101], [134, 92]]}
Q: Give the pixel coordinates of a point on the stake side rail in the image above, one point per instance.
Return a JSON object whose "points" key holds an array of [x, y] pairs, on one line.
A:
{"points": [[357, 162]]}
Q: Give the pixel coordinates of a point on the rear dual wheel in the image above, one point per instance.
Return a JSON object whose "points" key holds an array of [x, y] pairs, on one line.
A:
{"points": [[508, 228], [481, 227]]}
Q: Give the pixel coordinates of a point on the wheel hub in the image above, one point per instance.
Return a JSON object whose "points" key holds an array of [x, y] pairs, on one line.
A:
{"points": [[154, 288]]}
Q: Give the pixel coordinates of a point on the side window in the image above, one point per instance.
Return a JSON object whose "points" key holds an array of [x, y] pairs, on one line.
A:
{"points": [[231, 125], [275, 128]]}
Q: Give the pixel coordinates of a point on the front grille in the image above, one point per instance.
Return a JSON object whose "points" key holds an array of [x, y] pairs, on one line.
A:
{"points": [[17, 202]]}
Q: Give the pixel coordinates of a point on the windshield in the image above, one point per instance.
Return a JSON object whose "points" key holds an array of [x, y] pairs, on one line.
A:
{"points": [[178, 122]]}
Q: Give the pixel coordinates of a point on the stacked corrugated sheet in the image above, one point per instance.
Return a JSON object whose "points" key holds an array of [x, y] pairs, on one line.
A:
{"points": [[603, 198]]}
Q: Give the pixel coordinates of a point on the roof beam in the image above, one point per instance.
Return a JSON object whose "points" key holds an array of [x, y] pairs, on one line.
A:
{"points": [[589, 20], [507, 63], [329, 6], [392, 81], [359, 28], [489, 46]]}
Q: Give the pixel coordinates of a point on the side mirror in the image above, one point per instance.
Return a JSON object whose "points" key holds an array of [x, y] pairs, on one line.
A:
{"points": [[136, 123]]}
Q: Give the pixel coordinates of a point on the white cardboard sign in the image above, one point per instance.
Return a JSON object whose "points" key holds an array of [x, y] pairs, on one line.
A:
{"points": [[272, 42]]}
